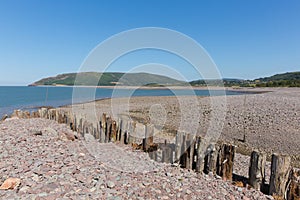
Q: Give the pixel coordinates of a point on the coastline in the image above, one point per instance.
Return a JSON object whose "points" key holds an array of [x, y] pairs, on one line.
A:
{"points": [[246, 89]]}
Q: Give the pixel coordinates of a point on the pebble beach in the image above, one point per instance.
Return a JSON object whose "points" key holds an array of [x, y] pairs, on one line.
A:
{"points": [[52, 162]]}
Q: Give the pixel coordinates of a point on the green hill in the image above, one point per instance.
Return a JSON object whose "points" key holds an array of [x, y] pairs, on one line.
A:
{"points": [[216, 82], [289, 79], [108, 79]]}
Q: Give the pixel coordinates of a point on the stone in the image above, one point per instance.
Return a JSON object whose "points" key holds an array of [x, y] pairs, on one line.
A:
{"points": [[188, 191], [10, 184], [24, 189], [110, 184]]}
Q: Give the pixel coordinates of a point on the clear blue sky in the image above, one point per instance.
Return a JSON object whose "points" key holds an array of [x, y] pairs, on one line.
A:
{"points": [[246, 39]]}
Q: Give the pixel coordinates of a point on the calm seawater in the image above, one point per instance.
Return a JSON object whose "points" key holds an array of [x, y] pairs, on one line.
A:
{"points": [[29, 98]]}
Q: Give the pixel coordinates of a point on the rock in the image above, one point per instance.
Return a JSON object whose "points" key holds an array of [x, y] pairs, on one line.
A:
{"points": [[37, 133], [110, 184], [168, 174], [67, 136], [238, 184], [24, 189], [188, 191], [4, 118], [10, 184]]}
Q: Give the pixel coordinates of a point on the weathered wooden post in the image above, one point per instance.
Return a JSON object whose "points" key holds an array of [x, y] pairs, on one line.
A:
{"points": [[74, 123], [190, 143], [225, 161], [80, 124], [200, 155], [152, 154], [280, 168], [167, 153], [101, 133], [183, 157], [60, 118], [132, 131], [294, 186], [211, 159], [148, 140], [153, 151], [178, 146], [257, 170], [97, 134], [83, 128], [114, 131], [119, 123], [126, 137], [103, 128], [108, 129], [123, 130]]}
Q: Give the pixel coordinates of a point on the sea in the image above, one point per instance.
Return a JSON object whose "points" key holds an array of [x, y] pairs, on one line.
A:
{"points": [[31, 98]]}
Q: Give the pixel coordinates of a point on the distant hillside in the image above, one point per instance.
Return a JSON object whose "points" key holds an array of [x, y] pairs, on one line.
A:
{"points": [[108, 79], [289, 79], [217, 82]]}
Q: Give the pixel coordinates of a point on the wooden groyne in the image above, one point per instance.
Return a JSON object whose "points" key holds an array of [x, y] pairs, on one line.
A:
{"points": [[189, 151]]}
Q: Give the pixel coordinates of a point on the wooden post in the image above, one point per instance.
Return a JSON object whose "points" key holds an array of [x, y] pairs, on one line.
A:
{"points": [[190, 143], [152, 154], [80, 126], [108, 129], [145, 140], [148, 140], [188, 149], [155, 155], [103, 127], [119, 129], [211, 159], [101, 132], [114, 131], [225, 161], [178, 146], [73, 123], [126, 137], [132, 133], [123, 130], [167, 153], [83, 128], [199, 154], [280, 168], [294, 185], [257, 170], [97, 132], [183, 157]]}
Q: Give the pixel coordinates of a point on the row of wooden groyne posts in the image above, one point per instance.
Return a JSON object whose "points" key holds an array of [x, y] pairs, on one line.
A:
{"points": [[187, 151]]}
